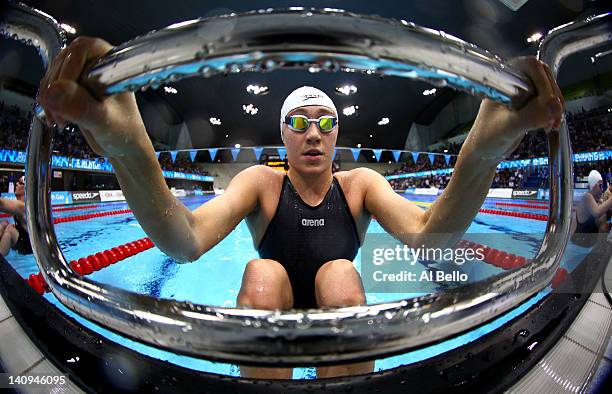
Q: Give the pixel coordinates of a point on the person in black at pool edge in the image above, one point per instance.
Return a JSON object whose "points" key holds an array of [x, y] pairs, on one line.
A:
{"points": [[15, 236], [292, 271]]}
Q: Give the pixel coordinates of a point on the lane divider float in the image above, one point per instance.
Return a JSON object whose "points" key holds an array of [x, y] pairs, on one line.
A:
{"points": [[515, 214], [508, 261], [8, 215], [95, 262], [530, 206], [90, 216], [76, 208]]}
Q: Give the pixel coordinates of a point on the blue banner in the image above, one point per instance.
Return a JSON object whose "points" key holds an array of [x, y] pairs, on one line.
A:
{"points": [[377, 153], [537, 161], [157, 155], [56, 197], [355, 152], [397, 154], [335, 152], [415, 156], [61, 198], [173, 154], [257, 152], [12, 156], [447, 158], [191, 177], [592, 156], [213, 153], [420, 174], [282, 152], [192, 154], [235, 152], [432, 157], [102, 165]]}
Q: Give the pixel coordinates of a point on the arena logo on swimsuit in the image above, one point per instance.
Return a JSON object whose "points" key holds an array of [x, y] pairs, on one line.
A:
{"points": [[313, 222]]}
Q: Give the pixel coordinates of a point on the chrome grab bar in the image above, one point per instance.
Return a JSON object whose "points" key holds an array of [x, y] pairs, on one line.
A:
{"points": [[330, 40]]}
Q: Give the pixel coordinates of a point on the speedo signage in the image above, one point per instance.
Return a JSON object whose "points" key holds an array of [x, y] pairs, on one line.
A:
{"points": [[527, 194], [86, 196]]}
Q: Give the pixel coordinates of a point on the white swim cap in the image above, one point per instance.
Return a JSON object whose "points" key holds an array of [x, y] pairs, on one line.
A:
{"points": [[594, 178], [303, 96]]}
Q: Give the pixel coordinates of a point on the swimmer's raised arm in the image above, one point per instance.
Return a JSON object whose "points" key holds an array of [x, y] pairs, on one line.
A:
{"points": [[14, 207], [595, 209], [114, 128], [496, 132]]}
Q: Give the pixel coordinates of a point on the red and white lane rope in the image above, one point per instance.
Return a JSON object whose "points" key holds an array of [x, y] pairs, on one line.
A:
{"points": [[90, 216], [530, 206], [95, 262]]}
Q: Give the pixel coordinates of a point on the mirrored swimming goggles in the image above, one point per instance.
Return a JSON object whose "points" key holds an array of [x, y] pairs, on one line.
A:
{"points": [[300, 123]]}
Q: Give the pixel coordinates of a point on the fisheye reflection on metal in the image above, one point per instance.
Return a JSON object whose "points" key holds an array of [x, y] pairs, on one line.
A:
{"points": [[279, 338], [378, 48]]}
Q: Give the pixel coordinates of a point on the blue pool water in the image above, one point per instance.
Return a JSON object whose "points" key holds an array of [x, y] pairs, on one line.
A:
{"points": [[215, 278]]}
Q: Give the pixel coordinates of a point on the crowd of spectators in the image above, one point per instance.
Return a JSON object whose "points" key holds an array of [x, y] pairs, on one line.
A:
{"points": [[70, 142], [512, 178], [181, 164], [590, 131], [581, 170], [423, 164], [13, 128]]}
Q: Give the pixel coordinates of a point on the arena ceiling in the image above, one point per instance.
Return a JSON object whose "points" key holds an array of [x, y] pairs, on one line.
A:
{"points": [[487, 23]]}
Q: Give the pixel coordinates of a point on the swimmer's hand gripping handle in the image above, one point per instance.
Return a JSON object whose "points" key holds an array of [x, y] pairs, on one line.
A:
{"points": [[523, 96], [98, 90]]}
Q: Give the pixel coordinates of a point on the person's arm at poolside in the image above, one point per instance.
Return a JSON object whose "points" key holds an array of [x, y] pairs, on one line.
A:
{"points": [[595, 209], [608, 193], [496, 132], [177, 231], [448, 217], [14, 207]]}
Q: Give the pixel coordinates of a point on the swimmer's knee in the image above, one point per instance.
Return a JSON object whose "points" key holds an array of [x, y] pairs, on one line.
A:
{"points": [[338, 283], [265, 285], [264, 266], [336, 267], [8, 231]]}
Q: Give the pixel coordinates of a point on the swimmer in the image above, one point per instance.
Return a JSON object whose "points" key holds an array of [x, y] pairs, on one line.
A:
{"points": [[15, 236], [608, 193], [591, 213], [306, 253]]}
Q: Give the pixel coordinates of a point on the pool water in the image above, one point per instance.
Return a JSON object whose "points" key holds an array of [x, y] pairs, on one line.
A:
{"points": [[215, 278]]}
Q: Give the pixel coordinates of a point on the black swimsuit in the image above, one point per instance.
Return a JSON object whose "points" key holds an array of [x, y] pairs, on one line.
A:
{"points": [[586, 233], [23, 245], [302, 238]]}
